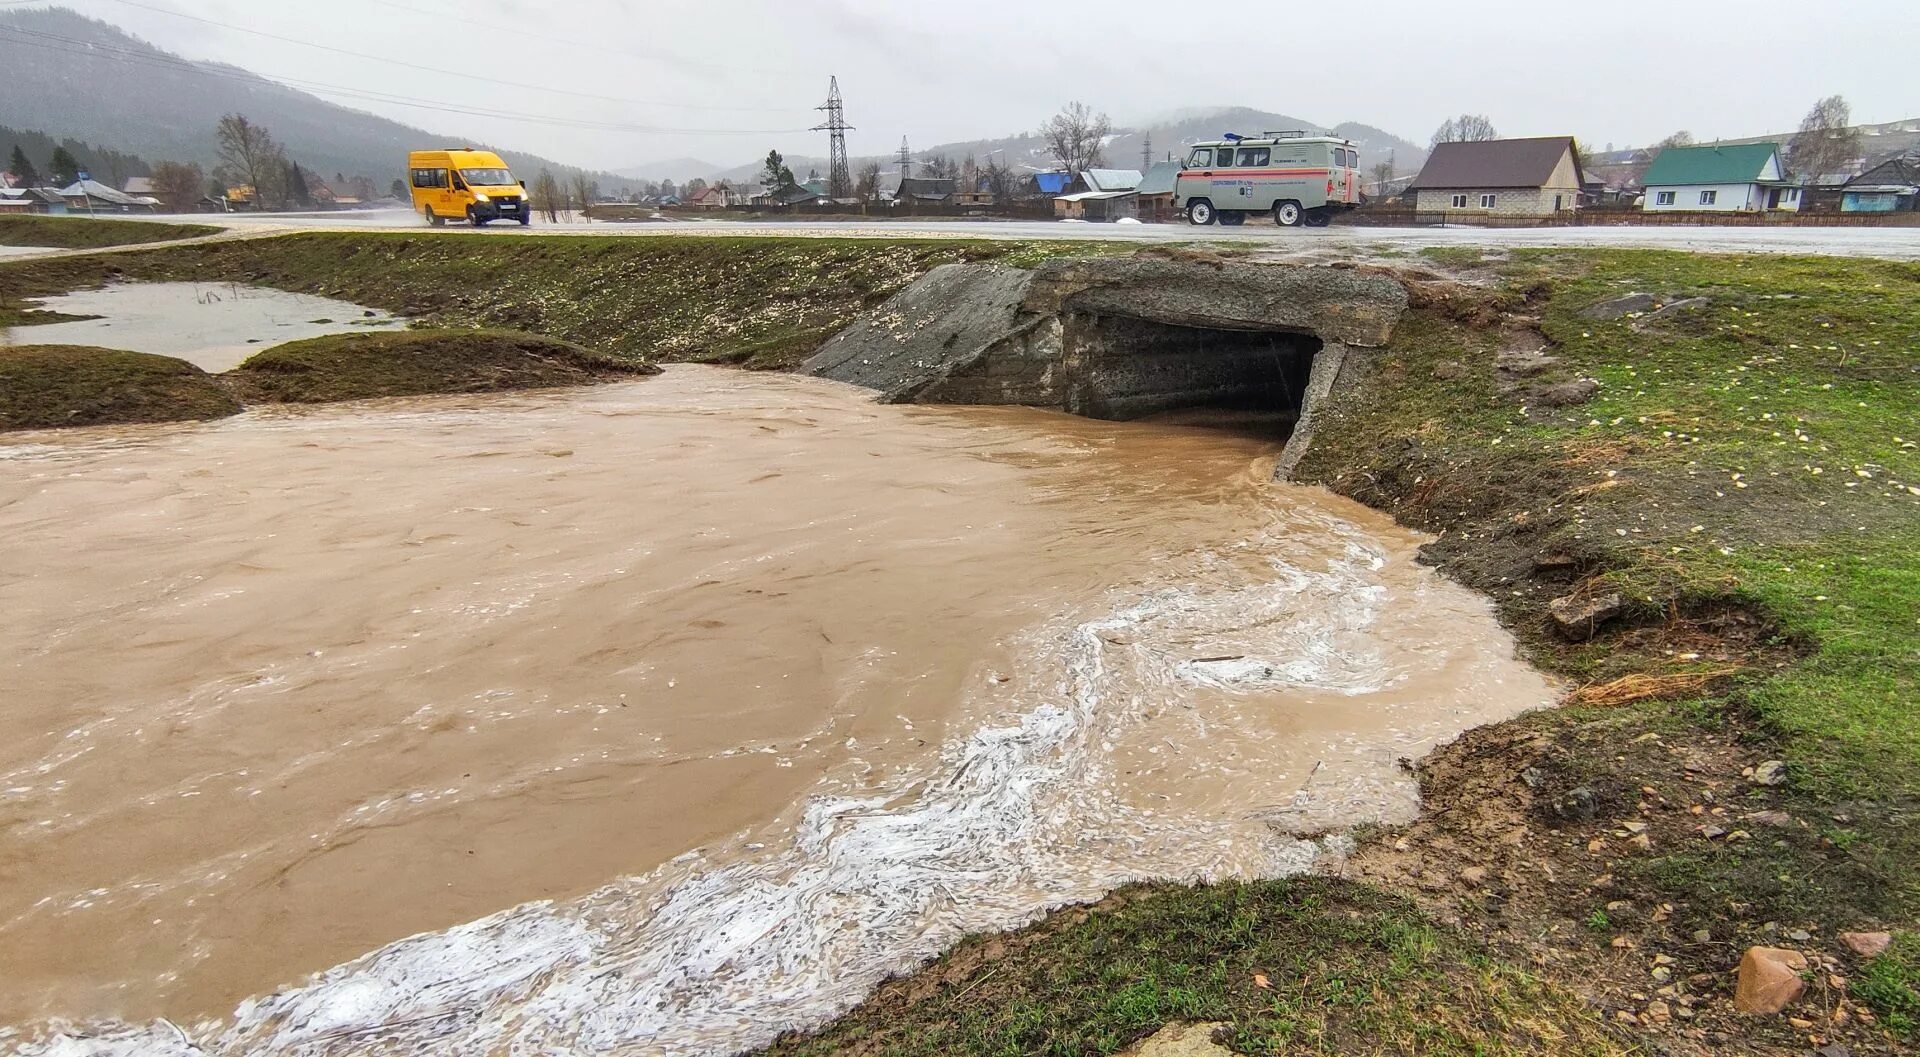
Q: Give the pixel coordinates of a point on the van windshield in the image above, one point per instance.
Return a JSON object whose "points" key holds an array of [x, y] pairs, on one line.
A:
{"points": [[487, 177]]}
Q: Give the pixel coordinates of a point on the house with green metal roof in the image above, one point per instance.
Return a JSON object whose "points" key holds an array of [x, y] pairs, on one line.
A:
{"points": [[1730, 178]]}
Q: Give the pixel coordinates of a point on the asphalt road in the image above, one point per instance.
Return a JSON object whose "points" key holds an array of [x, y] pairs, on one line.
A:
{"points": [[1896, 243]]}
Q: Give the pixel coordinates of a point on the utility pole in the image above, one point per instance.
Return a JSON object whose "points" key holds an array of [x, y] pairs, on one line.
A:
{"points": [[906, 159], [839, 178]]}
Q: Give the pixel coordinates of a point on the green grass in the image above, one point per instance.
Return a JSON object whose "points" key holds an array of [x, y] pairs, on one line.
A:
{"points": [[414, 362], [44, 386], [1348, 970], [86, 233], [1891, 983]]}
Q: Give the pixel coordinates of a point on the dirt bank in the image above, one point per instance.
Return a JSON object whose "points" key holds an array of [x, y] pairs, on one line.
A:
{"points": [[415, 362], [46, 386]]}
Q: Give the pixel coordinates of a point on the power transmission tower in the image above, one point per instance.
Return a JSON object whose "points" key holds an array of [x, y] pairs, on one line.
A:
{"points": [[839, 178], [906, 159], [1146, 151]]}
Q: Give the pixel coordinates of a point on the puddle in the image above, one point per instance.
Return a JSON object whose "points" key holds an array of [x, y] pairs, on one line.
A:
{"points": [[210, 325]]}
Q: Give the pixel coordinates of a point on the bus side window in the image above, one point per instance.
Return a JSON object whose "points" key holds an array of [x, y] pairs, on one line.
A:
{"points": [[1251, 156], [429, 177]]}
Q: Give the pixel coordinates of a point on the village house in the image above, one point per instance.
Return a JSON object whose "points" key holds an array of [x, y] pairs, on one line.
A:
{"points": [[925, 190], [1893, 186], [1154, 202], [94, 196], [713, 196], [1047, 184], [1100, 194], [1733, 178], [1537, 177], [14, 200]]}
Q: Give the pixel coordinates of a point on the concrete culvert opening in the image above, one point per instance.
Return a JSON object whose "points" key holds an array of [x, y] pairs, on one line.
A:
{"points": [[1124, 367]]}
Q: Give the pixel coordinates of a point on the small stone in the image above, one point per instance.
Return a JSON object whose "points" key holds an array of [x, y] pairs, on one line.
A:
{"points": [[1866, 944], [1799, 935], [1625, 1017], [1579, 616], [1662, 974], [1703, 936], [1833, 1050], [1769, 979], [1663, 959], [1474, 876], [1772, 772], [1180, 1040], [1659, 1012], [1623, 943], [1771, 818], [1634, 827], [1642, 842], [1711, 831], [1800, 1023], [1596, 844], [1619, 307]]}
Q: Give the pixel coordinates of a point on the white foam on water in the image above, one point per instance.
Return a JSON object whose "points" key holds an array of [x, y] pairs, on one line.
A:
{"points": [[1016, 817]]}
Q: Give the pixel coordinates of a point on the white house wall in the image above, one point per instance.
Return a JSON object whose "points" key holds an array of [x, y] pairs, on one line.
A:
{"points": [[1732, 198]]}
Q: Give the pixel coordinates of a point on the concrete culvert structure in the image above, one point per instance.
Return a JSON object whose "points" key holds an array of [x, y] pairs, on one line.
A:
{"points": [[1121, 338]]}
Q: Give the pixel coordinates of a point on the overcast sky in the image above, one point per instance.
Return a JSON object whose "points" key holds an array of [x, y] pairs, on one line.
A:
{"points": [[939, 72]]}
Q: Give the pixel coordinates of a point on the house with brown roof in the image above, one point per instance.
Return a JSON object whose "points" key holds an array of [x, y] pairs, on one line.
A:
{"points": [[1537, 177]]}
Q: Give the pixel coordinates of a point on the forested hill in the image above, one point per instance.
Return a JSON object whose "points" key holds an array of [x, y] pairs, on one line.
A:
{"points": [[73, 77]]}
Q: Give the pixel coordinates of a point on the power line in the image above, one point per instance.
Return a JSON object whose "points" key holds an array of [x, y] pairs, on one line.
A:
{"points": [[428, 69], [86, 48], [839, 177]]}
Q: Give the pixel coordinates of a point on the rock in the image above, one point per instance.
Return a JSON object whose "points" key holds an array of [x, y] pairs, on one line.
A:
{"points": [[1771, 818], [1833, 1050], [1866, 944], [1578, 616], [1772, 772], [1769, 979], [1180, 1040], [1641, 842], [1560, 394], [1682, 307], [1703, 936], [1474, 876], [1617, 307], [1575, 805]]}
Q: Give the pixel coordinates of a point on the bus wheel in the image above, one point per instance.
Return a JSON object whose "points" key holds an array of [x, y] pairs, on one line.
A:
{"points": [[1200, 212], [474, 218], [1286, 214], [525, 217], [1319, 218]]}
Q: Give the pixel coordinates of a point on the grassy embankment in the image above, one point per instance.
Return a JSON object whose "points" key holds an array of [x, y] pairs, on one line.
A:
{"points": [[758, 303], [1746, 478], [46, 386], [90, 233], [607, 305]]}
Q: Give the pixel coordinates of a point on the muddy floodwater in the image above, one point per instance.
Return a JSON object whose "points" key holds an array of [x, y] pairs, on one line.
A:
{"points": [[210, 325], [657, 717]]}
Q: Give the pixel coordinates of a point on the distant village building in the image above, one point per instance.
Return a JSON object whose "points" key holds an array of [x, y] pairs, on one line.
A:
{"points": [[1100, 194], [15, 200], [1047, 184], [1730, 178], [922, 190], [1893, 186], [139, 186], [1537, 177], [1105, 180], [85, 195], [1155, 193]]}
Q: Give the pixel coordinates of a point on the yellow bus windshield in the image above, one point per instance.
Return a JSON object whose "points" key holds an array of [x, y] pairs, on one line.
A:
{"points": [[487, 177]]}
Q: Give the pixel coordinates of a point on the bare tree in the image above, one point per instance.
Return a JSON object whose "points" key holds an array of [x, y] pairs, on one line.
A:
{"points": [[1075, 136], [1827, 141], [1467, 128], [1682, 138], [1002, 182], [546, 196], [868, 188], [251, 156], [178, 185], [1383, 174], [583, 192]]}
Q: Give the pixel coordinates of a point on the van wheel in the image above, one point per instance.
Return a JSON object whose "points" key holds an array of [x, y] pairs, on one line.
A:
{"points": [[435, 219], [1232, 217], [1286, 214], [1200, 212], [526, 218], [474, 218], [1319, 218]]}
